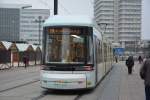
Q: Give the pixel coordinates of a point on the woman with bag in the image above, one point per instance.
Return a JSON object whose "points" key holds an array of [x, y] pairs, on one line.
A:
{"points": [[145, 75]]}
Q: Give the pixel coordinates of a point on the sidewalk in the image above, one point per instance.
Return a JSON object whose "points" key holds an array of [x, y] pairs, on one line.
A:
{"points": [[122, 86]]}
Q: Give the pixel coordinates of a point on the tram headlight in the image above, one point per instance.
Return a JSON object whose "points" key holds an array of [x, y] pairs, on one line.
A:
{"points": [[88, 68]]}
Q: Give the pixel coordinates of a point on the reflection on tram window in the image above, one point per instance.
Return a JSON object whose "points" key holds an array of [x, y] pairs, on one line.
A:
{"points": [[68, 47]]}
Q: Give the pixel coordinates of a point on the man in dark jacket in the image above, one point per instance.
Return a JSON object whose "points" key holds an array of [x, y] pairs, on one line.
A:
{"points": [[140, 59], [25, 61], [145, 75], [130, 64]]}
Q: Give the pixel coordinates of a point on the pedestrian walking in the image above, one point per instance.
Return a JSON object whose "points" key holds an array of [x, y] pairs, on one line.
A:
{"points": [[140, 59], [25, 61], [145, 75], [130, 64], [116, 59]]}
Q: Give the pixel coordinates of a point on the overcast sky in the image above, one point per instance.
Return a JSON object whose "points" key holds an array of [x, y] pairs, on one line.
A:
{"points": [[84, 7]]}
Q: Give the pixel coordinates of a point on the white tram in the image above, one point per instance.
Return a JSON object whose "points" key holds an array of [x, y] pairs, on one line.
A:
{"points": [[75, 56]]}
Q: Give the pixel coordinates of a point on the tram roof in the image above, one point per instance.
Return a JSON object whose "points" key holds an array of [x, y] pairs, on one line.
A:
{"points": [[69, 20]]}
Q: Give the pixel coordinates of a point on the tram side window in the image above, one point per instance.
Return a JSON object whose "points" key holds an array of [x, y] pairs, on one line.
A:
{"points": [[101, 52], [105, 52], [108, 54], [98, 50], [107, 57], [111, 54]]}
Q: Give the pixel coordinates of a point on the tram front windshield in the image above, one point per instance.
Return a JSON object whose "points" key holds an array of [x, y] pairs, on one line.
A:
{"points": [[68, 45]]}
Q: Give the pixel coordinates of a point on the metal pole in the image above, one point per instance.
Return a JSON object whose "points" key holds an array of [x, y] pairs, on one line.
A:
{"points": [[135, 44], [39, 31], [105, 28], [55, 7], [39, 20]]}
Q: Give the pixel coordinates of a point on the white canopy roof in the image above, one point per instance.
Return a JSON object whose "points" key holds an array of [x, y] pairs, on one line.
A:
{"points": [[58, 20], [22, 47], [34, 47], [6, 44]]}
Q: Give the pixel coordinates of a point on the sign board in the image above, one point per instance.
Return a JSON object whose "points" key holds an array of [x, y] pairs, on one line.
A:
{"points": [[119, 51]]}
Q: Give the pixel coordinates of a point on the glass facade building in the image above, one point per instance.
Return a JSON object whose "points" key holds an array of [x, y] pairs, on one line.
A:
{"points": [[17, 24], [9, 24]]}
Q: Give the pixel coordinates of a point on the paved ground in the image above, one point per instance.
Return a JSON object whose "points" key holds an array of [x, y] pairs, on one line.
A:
{"points": [[123, 86], [131, 87], [10, 78], [117, 85]]}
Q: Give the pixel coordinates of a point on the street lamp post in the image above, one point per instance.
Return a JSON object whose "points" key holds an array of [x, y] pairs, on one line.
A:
{"points": [[104, 28], [136, 44], [39, 21]]}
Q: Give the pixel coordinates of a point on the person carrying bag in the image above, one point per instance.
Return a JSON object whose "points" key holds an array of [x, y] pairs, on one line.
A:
{"points": [[145, 75]]}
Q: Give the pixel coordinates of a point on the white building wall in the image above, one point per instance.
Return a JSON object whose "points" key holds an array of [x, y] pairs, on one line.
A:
{"points": [[123, 19], [29, 28], [130, 20], [104, 15]]}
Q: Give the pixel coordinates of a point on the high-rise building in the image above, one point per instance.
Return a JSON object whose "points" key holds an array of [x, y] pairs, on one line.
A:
{"points": [[9, 24], [121, 20], [31, 21], [19, 24]]}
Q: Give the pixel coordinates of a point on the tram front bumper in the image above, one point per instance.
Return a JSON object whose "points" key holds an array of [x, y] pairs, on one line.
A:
{"points": [[63, 81]]}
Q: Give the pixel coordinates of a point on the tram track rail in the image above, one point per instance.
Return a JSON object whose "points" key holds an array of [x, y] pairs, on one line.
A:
{"points": [[46, 93], [78, 97], [42, 95], [21, 85]]}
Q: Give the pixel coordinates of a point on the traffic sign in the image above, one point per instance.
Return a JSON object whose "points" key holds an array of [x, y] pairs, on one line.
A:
{"points": [[119, 51]]}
